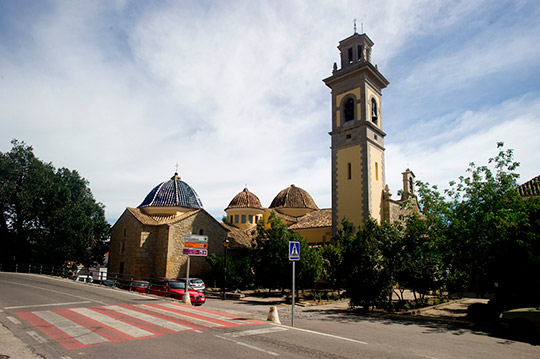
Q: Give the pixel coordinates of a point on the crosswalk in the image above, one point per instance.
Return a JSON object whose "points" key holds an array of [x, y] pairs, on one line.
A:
{"points": [[76, 328]]}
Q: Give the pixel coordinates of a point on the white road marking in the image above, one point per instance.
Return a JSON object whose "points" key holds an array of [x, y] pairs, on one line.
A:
{"points": [[206, 323], [14, 320], [328, 335], [210, 315], [148, 318], [254, 332], [248, 345], [119, 325], [54, 291], [78, 332], [37, 337], [47, 305]]}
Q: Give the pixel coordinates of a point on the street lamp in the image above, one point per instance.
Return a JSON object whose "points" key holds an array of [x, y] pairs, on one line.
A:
{"points": [[226, 245]]}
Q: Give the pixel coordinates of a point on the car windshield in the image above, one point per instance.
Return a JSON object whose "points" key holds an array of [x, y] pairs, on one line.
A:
{"points": [[177, 285], [196, 281], [140, 284]]}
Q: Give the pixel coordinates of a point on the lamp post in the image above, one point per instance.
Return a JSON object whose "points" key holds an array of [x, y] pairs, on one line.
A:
{"points": [[226, 245]]}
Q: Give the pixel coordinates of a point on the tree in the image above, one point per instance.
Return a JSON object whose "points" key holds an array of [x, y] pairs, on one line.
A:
{"points": [[367, 280], [48, 215], [270, 256]]}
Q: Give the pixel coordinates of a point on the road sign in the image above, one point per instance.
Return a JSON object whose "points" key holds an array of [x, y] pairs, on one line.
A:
{"points": [[196, 245], [294, 251], [195, 238], [195, 252]]}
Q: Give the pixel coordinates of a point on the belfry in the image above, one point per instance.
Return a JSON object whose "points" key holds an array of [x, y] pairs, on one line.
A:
{"points": [[358, 171]]}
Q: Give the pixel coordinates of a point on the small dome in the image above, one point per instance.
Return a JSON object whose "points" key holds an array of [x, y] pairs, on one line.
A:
{"points": [[172, 193], [245, 199], [293, 197]]}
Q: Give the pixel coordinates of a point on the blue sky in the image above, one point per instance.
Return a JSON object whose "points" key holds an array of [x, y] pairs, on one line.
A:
{"points": [[123, 90]]}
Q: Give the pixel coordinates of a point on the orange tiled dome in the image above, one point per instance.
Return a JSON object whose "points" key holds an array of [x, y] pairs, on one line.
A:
{"points": [[245, 199], [293, 197]]}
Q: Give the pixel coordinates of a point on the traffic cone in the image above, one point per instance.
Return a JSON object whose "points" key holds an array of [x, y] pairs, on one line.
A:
{"points": [[273, 315]]}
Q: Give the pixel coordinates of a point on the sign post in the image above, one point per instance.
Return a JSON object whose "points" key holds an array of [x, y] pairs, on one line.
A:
{"points": [[194, 245], [294, 255]]}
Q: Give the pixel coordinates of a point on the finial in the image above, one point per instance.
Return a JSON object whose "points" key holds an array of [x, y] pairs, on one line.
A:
{"points": [[354, 21], [176, 167]]}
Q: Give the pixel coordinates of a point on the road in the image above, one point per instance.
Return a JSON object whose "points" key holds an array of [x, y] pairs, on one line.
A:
{"points": [[58, 318]]}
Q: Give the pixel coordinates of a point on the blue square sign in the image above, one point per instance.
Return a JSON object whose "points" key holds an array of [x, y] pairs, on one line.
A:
{"points": [[294, 251]]}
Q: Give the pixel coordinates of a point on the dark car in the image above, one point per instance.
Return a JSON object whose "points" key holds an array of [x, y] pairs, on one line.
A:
{"points": [[139, 286], [110, 283], [175, 289], [523, 322]]}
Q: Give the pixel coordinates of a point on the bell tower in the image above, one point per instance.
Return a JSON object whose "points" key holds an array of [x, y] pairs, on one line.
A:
{"points": [[358, 171]]}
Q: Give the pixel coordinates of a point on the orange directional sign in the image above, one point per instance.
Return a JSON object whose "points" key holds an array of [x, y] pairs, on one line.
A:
{"points": [[196, 245]]}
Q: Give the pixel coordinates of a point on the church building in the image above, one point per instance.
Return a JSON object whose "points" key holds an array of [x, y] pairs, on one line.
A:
{"points": [[148, 241]]}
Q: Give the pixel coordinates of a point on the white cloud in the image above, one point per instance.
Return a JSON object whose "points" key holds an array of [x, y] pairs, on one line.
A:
{"points": [[122, 91]]}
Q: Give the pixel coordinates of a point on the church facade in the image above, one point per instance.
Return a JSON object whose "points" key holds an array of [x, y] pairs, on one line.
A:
{"points": [[147, 241]]}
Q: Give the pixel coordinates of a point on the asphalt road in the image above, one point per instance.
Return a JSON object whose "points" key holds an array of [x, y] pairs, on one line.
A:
{"points": [[58, 318]]}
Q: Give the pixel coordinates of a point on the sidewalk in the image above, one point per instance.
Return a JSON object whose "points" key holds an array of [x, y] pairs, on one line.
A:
{"points": [[13, 347], [453, 311]]}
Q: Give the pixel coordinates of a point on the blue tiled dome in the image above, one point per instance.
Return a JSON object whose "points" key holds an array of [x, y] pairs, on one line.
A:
{"points": [[172, 193]]}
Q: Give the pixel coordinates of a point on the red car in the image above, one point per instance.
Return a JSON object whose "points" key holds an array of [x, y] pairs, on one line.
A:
{"points": [[139, 286], [175, 289]]}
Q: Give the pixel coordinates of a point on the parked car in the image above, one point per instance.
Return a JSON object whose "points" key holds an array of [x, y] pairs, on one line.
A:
{"points": [[195, 283], [110, 283], [139, 286], [523, 322], [174, 288], [84, 278]]}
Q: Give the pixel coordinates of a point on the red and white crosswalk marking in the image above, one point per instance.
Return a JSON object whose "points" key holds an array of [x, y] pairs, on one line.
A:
{"points": [[83, 327]]}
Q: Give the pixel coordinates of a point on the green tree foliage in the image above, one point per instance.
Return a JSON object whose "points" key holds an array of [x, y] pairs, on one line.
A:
{"points": [[48, 215], [270, 258], [487, 213], [421, 267], [367, 279], [239, 273]]}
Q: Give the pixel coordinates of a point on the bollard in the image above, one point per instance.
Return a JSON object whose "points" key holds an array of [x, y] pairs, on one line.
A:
{"points": [[273, 315]]}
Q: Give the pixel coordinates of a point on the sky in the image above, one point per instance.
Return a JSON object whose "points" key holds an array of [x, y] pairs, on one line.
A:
{"points": [[232, 91]]}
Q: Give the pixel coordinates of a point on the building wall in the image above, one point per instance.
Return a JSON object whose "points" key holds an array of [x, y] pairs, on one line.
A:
{"points": [[153, 251], [316, 236], [349, 192], [376, 181]]}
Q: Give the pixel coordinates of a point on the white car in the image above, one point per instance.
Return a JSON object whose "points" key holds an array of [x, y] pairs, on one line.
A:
{"points": [[195, 283]]}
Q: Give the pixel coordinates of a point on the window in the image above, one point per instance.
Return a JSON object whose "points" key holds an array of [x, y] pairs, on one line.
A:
{"points": [[144, 237], [201, 231], [236, 218], [359, 48], [231, 220], [250, 218], [411, 186], [376, 171], [243, 218], [123, 247], [349, 171], [348, 136], [256, 219], [349, 52], [374, 112], [348, 110], [121, 269]]}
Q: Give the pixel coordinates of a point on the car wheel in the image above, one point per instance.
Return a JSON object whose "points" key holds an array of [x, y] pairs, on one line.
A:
{"points": [[525, 330]]}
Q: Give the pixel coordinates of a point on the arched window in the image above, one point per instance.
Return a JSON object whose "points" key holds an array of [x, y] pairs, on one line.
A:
{"points": [[348, 110], [374, 111]]}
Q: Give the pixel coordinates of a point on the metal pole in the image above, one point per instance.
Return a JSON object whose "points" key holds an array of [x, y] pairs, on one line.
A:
{"points": [[186, 298], [293, 293], [225, 278]]}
